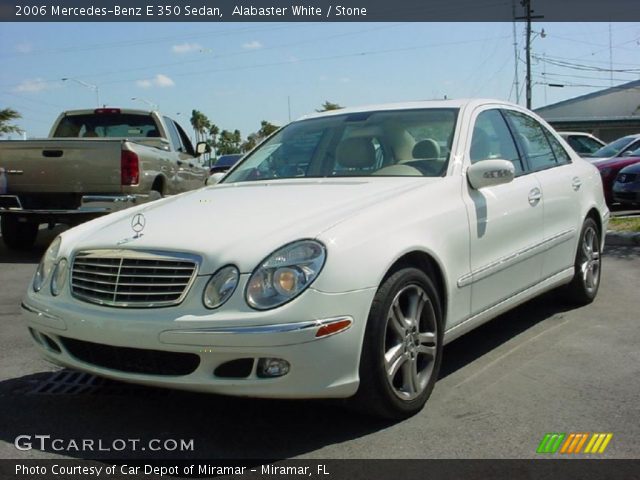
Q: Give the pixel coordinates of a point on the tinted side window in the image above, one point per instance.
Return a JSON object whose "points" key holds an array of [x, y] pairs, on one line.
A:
{"points": [[532, 141], [562, 157], [173, 134], [492, 140], [186, 143]]}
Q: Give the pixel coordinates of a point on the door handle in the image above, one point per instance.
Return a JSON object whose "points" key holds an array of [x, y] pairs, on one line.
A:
{"points": [[534, 196], [576, 183]]}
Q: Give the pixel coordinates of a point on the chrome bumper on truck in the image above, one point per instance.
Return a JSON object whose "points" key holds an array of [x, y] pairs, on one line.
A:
{"points": [[91, 206]]}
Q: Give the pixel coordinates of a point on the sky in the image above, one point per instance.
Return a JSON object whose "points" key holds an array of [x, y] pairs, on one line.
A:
{"points": [[239, 74]]}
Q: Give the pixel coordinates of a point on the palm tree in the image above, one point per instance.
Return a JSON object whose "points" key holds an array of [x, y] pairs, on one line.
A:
{"points": [[7, 115]]}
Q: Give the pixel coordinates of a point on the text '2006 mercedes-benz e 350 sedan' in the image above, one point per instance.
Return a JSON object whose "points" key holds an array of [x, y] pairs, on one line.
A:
{"points": [[334, 260]]}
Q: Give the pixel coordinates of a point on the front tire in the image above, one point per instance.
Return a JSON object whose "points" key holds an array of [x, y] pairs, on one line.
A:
{"points": [[402, 348], [586, 281], [18, 235]]}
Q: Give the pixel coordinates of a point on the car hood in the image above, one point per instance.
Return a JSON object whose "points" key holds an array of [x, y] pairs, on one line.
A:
{"points": [[242, 223], [615, 162]]}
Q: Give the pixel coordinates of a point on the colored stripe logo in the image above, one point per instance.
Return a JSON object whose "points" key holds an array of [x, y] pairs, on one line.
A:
{"points": [[573, 443]]}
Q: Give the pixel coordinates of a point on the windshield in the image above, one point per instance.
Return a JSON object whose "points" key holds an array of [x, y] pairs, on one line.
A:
{"points": [[383, 143], [614, 148], [112, 125], [583, 145]]}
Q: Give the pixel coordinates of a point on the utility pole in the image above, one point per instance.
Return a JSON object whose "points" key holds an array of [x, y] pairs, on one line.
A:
{"points": [[528, 17], [515, 53]]}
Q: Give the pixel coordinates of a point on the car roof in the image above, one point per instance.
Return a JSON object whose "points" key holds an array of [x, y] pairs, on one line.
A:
{"points": [[585, 134], [89, 111], [454, 103]]}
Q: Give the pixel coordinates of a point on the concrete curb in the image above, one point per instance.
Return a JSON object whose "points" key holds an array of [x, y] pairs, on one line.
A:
{"points": [[622, 239]]}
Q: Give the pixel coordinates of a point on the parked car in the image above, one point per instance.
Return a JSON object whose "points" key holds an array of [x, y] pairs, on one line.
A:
{"points": [[93, 163], [583, 143], [609, 170], [350, 249], [626, 187], [622, 147], [225, 162]]}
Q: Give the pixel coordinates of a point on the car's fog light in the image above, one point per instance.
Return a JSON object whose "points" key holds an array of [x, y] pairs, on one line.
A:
{"points": [[272, 367], [59, 277]]}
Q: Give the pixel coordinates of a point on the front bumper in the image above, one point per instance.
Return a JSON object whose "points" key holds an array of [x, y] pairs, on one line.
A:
{"points": [[324, 367], [630, 193]]}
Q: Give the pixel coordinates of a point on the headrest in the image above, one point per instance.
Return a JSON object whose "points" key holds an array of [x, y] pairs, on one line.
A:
{"points": [[480, 147], [428, 148], [153, 133], [356, 152]]}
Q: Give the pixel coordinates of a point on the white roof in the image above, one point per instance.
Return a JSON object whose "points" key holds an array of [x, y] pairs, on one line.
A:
{"points": [[454, 103]]}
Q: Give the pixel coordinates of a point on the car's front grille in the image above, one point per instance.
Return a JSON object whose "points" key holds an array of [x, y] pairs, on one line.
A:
{"points": [[132, 360], [129, 278]]}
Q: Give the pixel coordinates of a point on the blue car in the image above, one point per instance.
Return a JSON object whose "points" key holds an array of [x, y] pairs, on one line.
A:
{"points": [[626, 188], [225, 162]]}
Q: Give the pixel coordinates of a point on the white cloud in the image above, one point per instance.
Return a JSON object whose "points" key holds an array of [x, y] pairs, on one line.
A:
{"points": [[163, 81], [159, 80], [186, 48], [253, 45], [144, 83], [24, 47], [32, 86], [345, 80]]}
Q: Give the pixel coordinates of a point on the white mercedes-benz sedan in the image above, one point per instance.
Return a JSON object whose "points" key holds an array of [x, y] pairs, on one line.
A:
{"points": [[335, 260]]}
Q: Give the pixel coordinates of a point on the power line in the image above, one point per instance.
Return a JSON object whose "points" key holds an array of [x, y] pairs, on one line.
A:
{"points": [[314, 59], [231, 54]]}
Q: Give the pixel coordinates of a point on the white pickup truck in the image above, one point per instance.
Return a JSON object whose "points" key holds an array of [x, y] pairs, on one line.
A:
{"points": [[93, 163]]}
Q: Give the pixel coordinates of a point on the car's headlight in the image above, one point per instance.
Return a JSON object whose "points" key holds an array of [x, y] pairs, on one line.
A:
{"points": [[46, 264], [59, 277], [285, 274], [221, 286]]}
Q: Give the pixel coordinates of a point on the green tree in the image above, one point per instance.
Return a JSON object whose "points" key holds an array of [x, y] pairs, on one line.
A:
{"points": [[266, 129], [200, 124], [327, 105], [7, 115], [228, 142]]}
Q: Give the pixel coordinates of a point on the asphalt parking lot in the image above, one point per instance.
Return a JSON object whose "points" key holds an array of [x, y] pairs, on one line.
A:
{"points": [[540, 368]]}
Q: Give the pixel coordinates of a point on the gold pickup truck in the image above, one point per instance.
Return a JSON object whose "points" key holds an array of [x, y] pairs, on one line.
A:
{"points": [[93, 163]]}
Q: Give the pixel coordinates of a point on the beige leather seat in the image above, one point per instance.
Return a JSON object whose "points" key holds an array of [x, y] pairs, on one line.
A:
{"points": [[427, 148], [356, 154]]}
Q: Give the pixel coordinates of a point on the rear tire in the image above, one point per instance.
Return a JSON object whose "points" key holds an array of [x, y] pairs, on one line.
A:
{"points": [[586, 281], [402, 348], [18, 235]]}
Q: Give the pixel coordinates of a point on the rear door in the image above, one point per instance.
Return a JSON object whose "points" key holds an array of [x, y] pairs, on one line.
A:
{"points": [[561, 185], [505, 221]]}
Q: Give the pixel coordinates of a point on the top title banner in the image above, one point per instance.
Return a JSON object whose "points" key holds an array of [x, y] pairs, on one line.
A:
{"points": [[316, 10]]}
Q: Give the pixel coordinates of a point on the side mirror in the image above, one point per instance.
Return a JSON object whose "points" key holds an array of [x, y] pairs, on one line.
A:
{"points": [[213, 179], [202, 148], [488, 173], [628, 153]]}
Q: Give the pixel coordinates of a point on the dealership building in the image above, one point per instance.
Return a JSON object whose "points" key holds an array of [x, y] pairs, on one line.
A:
{"points": [[608, 114]]}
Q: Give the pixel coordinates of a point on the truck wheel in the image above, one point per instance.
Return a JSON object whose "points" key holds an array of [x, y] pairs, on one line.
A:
{"points": [[18, 235], [402, 348]]}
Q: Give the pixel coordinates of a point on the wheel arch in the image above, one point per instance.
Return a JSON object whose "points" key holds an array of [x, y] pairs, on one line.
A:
{"points": [[430, 266], [161, 182]]}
